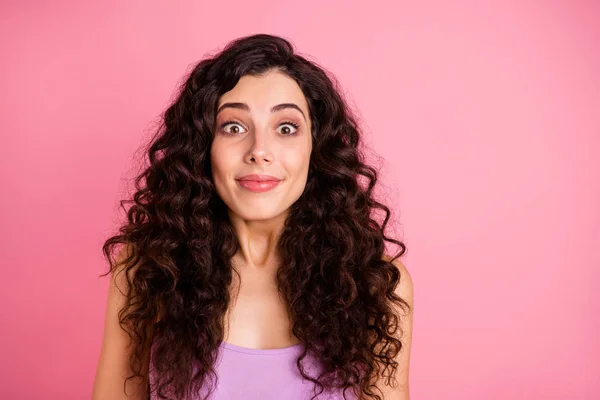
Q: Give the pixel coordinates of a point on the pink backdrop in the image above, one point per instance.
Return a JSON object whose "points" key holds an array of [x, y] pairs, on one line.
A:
{"points": [[487, 117]]}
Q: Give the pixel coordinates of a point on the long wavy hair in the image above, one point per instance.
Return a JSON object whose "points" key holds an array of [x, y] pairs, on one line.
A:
{"points": [[334, 276]]}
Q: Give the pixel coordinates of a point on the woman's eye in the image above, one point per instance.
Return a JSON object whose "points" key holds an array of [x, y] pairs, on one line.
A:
{"points": [[235, 127], [290, 128], [286, 128]]}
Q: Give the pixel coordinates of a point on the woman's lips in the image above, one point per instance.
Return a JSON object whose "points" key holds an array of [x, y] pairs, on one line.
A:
{"points": [[258, 186]]}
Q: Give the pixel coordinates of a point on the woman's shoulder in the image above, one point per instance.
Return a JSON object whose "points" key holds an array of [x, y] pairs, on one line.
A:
{"points": [[405, 287], [400, 266]]}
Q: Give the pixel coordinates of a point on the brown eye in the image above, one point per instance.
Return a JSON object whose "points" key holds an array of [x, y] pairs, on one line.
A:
{"points": [[289, 128], [235, 127]]}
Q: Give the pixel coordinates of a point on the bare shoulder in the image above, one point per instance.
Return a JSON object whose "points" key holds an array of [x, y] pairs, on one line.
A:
{"points": [[405, 290], [113, 363]]}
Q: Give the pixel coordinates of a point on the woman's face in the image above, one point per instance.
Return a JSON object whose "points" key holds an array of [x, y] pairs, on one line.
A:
{"points": [[262, 127]]}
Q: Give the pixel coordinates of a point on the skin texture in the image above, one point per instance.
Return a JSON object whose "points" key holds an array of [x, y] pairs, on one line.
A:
{"points": [[260, 141]]}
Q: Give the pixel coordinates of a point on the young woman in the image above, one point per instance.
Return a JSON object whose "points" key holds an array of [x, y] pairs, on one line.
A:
{"points": [[251, 266]]}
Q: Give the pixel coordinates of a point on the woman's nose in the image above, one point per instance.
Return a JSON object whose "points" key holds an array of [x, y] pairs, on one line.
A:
{"points": [[260, 148]]}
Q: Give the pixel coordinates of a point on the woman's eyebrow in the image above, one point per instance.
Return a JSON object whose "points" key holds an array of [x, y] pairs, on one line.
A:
{"points": [[245, 107]]}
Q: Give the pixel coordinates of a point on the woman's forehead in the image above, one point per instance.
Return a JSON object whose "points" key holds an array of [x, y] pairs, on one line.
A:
{"points": [[262, 93]]}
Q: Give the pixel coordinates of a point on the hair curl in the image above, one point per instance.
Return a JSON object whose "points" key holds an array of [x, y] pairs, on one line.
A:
{"points": [[332, 248]]}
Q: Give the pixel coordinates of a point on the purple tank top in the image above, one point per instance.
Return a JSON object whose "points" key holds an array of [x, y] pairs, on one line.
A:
{"points": [[263, 374]]}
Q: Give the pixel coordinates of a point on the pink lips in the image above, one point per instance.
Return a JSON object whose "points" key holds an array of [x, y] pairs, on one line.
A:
{"points": [[258, 183]]}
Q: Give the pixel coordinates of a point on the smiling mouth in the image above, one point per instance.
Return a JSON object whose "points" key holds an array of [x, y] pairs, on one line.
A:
{"points": [[257, 186]]}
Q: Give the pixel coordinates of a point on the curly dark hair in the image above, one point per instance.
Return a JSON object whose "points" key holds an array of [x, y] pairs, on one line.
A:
{"points": [[334, 275]]}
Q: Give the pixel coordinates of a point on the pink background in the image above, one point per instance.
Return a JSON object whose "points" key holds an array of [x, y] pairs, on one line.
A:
{"points": [[487, 118]]}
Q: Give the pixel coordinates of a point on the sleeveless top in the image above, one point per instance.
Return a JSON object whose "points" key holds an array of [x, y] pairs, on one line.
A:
{"points": [[253, 374]]}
